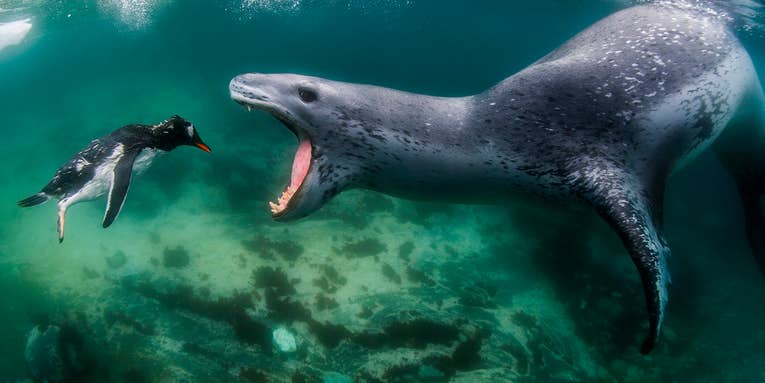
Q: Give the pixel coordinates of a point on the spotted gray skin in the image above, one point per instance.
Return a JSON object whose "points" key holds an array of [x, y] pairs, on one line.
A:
{"points": [[605, 119]]}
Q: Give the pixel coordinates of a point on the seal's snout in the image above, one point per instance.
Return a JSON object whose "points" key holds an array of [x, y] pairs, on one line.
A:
{"points": [[238, 86], [242, 80], [248, 82], [250, 90]]}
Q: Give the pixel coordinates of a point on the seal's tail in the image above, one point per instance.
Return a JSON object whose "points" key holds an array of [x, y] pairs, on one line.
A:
{"points": [[34, 200]]}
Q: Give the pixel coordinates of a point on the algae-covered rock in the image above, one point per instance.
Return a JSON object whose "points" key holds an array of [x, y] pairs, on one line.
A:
{"points": [[116, 260], [175, 258], [55, 355], [45, 361], [366, 247], [267, 248]]}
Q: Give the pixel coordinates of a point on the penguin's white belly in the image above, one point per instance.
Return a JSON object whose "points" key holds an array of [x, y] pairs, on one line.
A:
{"points": [[96, 187], [145, 159], [104, 175], [102, 180]]}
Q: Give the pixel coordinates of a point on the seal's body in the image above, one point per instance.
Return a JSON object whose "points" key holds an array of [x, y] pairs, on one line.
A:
{"points": [[604, 119], [107, 164]]}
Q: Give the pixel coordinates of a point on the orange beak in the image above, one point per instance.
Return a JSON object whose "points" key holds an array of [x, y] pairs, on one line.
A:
{"points": [[203, 147]]}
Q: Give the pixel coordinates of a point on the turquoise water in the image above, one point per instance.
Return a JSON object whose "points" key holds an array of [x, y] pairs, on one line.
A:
{"points": [[193, 278]]}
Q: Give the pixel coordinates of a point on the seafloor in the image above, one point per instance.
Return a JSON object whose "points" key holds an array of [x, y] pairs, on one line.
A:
{"points": [[193, 278]]}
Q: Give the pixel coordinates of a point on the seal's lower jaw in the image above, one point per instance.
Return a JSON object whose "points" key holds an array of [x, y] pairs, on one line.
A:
{"points": [[292, 194]]}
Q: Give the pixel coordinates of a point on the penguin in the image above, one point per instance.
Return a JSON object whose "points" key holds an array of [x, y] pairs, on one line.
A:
{"points": [[107, 164]]}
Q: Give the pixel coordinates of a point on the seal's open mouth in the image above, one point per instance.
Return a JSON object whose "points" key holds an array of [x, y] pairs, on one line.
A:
{"points": [[301, 164]]}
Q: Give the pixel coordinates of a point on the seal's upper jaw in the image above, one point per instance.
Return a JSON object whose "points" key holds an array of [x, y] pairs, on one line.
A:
{"points": [[260, 92]]}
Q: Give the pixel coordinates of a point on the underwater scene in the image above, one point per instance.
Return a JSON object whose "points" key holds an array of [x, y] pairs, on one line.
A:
{"points": [[473, 195]]}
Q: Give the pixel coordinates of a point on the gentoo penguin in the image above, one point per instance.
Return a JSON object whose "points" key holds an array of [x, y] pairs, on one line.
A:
{"points": [[107, 164]]}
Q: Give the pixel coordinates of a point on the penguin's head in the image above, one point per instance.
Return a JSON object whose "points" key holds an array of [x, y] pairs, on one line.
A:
{"points": [[177, 131]]}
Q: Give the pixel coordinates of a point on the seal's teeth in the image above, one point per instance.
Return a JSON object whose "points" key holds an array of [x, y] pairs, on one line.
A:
{"points": [[281, 203], [249, 108]]}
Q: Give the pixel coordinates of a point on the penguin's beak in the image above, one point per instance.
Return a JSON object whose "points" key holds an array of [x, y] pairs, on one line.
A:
{"points": [[203, 146]]}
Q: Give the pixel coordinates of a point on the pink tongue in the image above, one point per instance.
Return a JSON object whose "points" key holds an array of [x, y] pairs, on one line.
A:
{"points": [[301, 164]]}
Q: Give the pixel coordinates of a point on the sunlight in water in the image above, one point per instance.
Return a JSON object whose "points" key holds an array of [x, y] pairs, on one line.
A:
{"points": [[249, 7], [14, 32], [744, 15], [273, 5], [134, 14]]}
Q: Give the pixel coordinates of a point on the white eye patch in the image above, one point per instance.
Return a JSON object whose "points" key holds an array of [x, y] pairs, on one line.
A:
{"points": [[190, 130]]}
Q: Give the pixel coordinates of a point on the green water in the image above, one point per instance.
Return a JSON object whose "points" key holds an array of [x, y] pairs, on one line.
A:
{"points": [[518, 294]]}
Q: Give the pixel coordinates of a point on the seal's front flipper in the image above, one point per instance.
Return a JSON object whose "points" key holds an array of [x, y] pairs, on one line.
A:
{"points": [[120, 184], [752, 195], [633, 210], [741, 148]]}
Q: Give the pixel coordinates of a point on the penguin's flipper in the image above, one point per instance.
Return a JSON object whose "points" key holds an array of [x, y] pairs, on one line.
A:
{"points": [[120, 184], [633, 210]]}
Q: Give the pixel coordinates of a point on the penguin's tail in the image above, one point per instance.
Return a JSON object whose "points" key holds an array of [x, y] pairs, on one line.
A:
{"points": [[34, 199]]}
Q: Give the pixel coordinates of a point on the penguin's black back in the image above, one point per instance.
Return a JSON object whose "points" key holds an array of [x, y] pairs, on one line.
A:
{"points": [[81, 168]]}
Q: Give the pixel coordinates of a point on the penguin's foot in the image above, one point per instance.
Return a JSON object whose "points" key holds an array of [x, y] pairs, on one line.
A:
{"points": [[60, 224]]}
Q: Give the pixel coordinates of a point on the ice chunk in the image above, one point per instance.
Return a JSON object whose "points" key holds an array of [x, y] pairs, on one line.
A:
{"points": [[334, 377], [13, 33], [284, 340]]}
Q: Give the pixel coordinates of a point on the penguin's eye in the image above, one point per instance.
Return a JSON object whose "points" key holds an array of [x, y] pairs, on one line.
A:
{"points": [[307, 95], [190, 130]]}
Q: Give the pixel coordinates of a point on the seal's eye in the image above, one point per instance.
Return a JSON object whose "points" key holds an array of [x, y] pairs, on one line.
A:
{"points": [[307, 95]]}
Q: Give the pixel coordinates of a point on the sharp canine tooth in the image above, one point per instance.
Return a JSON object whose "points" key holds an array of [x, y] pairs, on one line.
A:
{"points": [[249, 108]]}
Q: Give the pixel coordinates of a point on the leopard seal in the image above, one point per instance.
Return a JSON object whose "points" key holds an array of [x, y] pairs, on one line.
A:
{"points": [[604, 119]]}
